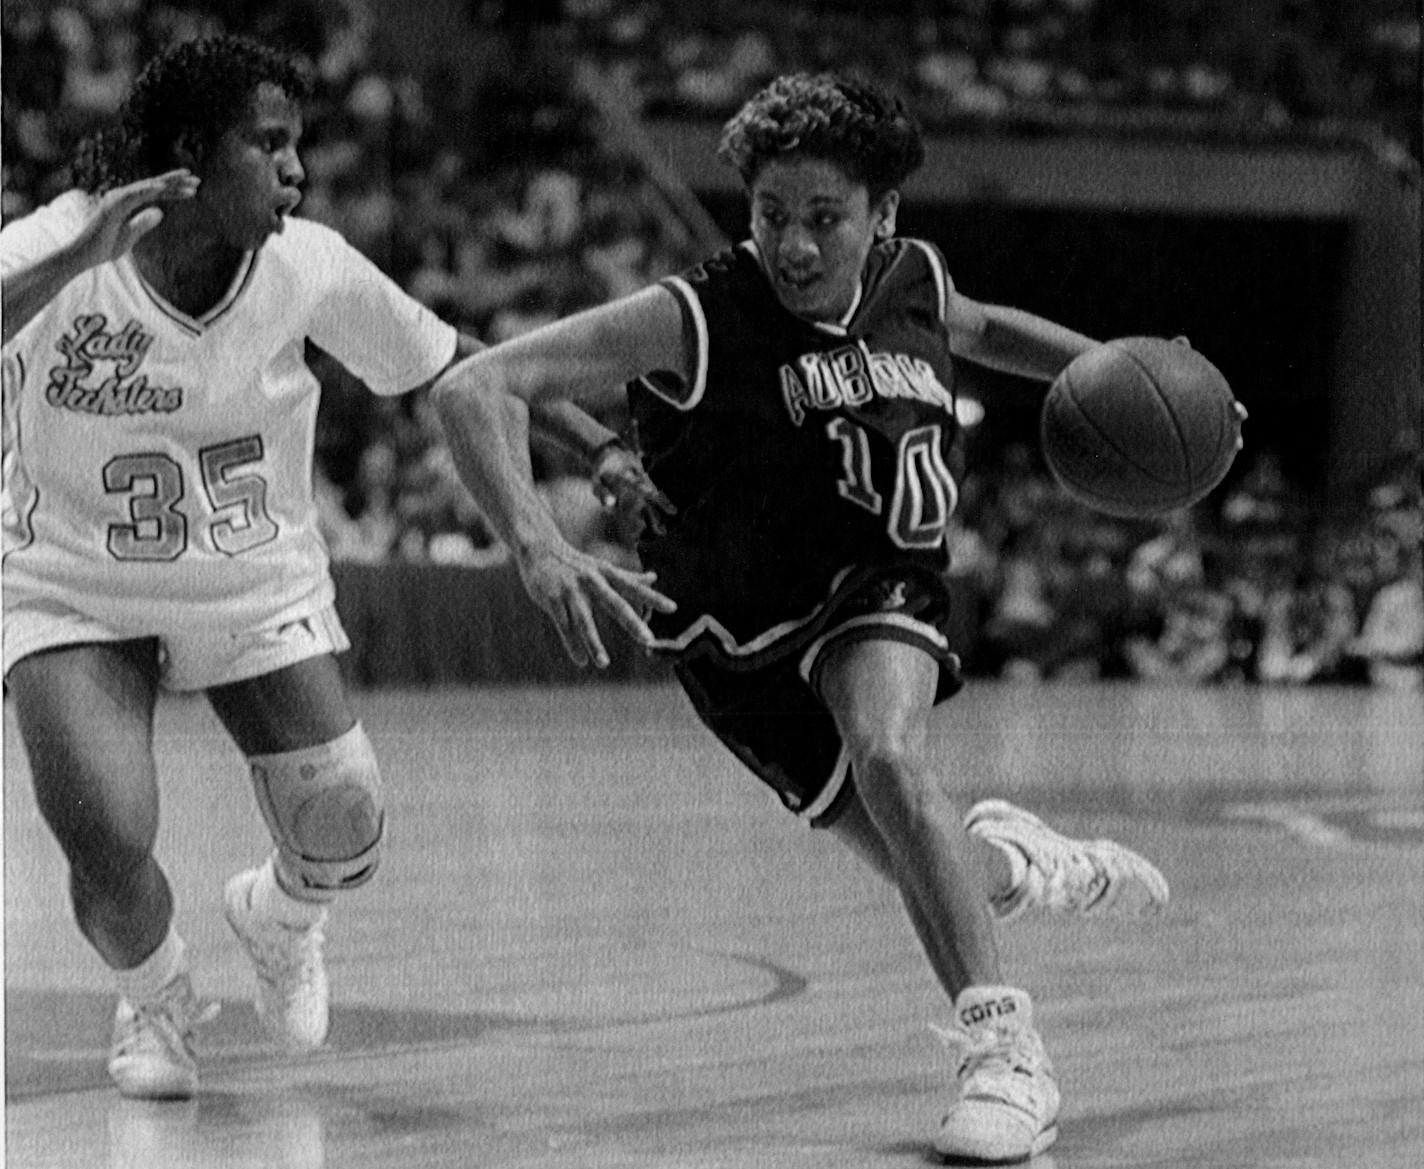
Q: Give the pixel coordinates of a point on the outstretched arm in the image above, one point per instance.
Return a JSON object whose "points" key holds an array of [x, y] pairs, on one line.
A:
{"points": [[123, 216], [1011, 340], [484, 402]]}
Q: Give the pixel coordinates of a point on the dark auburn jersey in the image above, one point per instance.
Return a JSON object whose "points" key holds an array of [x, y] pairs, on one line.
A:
{"points": [[798, 449]]}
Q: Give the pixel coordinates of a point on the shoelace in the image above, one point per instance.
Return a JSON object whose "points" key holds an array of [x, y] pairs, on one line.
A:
{"points": [[1063, 890], [172, 1021], [994, 1063]]}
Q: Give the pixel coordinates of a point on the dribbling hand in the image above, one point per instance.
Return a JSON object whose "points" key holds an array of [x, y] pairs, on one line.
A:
{"points": [[1241, 414]]}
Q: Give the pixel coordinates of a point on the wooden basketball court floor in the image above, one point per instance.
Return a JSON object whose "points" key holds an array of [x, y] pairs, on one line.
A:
{"points": [[596, 943]]}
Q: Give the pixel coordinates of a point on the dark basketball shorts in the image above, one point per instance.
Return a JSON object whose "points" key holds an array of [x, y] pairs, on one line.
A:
{"points": [[765, 705]]}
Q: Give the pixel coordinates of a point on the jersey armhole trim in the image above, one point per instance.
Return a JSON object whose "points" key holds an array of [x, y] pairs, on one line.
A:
{"points": [[694, 323], [943, 284]]}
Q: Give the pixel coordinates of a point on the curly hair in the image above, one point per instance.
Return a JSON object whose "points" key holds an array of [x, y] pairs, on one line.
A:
{"points": [[193, 93], [865, 131]]}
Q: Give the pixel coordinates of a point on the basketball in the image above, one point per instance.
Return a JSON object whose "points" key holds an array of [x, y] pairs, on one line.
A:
{"points": [[1139, 426]]}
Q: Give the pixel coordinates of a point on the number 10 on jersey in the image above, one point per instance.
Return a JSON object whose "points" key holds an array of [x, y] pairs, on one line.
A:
{"points": [[924, 494]]}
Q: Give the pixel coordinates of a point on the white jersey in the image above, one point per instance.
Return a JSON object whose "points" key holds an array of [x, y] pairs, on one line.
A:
{"points": [[158, 466]]}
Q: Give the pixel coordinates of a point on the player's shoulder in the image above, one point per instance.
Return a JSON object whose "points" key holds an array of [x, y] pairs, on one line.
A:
{"points": [[730, 265], [730, 278], [311, 250], [914, 258], [911, 267], [48, 226], [71, 208]]}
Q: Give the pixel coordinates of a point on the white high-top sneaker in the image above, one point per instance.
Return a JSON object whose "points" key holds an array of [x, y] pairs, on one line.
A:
{"points": [[151, 1055], [292, 993], [1089, 877], [1007, 1107]]}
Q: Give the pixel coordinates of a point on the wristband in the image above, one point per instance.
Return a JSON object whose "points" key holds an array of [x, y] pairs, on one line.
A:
{"points": [[614, 443]]}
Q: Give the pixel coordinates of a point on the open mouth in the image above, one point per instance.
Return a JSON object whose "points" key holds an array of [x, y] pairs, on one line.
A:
{"points": [[797, 281], [282, 212]]}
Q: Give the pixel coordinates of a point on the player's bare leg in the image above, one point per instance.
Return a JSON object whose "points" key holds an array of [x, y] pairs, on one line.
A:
{"points": [[318, 790], [85, 714], [881, 693], [854, 828]]}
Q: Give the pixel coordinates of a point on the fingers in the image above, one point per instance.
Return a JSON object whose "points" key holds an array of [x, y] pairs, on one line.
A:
{"points": [[140, 224], [165, 188], [582, 640], [618, 607], [128, 213], [175, 184], [624, 597], [573, 621], [1241, 416], [125, 204], [638, 586], [579, 631], [573, 587]]}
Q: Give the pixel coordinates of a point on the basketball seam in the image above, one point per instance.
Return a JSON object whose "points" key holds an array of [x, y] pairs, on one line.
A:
{"points": [[1182, 443], [1117, 450]]}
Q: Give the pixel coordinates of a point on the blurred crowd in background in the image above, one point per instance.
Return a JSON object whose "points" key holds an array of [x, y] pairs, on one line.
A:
{"points": [[1245, 67], [1256, 588], [503, 222]]}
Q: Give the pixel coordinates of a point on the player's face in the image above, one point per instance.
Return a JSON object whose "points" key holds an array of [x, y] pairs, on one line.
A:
{"points": [[814, 227], [251, 180]]}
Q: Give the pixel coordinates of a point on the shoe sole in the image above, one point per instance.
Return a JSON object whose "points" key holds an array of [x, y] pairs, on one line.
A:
{"points": [[184, 1092], [1039, 1145], [184, 1089]]}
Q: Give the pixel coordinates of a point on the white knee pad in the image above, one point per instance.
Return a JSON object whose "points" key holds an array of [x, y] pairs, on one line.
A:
{"points": [[324, 808]]}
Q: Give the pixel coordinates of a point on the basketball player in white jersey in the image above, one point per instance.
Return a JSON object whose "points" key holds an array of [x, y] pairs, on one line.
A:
{"points": [[160, 530]]}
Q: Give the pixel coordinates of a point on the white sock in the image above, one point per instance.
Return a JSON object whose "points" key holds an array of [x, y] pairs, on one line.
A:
{"points": [[145, 982], [272, 901]]}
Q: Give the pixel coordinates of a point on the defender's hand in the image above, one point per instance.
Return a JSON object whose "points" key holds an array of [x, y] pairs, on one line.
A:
{"points": [[570, 586], [128, 213]]}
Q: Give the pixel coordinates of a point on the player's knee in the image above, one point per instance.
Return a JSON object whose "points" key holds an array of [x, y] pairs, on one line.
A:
{"points": [[895, 785], [892, 760], [113, 867], [325, 810]]}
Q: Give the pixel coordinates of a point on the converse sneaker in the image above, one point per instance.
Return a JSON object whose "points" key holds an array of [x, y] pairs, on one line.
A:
{"points": [[291, 976], [1089, 877], [151, 1056], [1007, 1106]]}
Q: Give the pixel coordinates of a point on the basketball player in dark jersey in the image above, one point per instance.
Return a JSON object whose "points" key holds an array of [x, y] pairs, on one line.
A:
{"points": [[794, 403]]}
